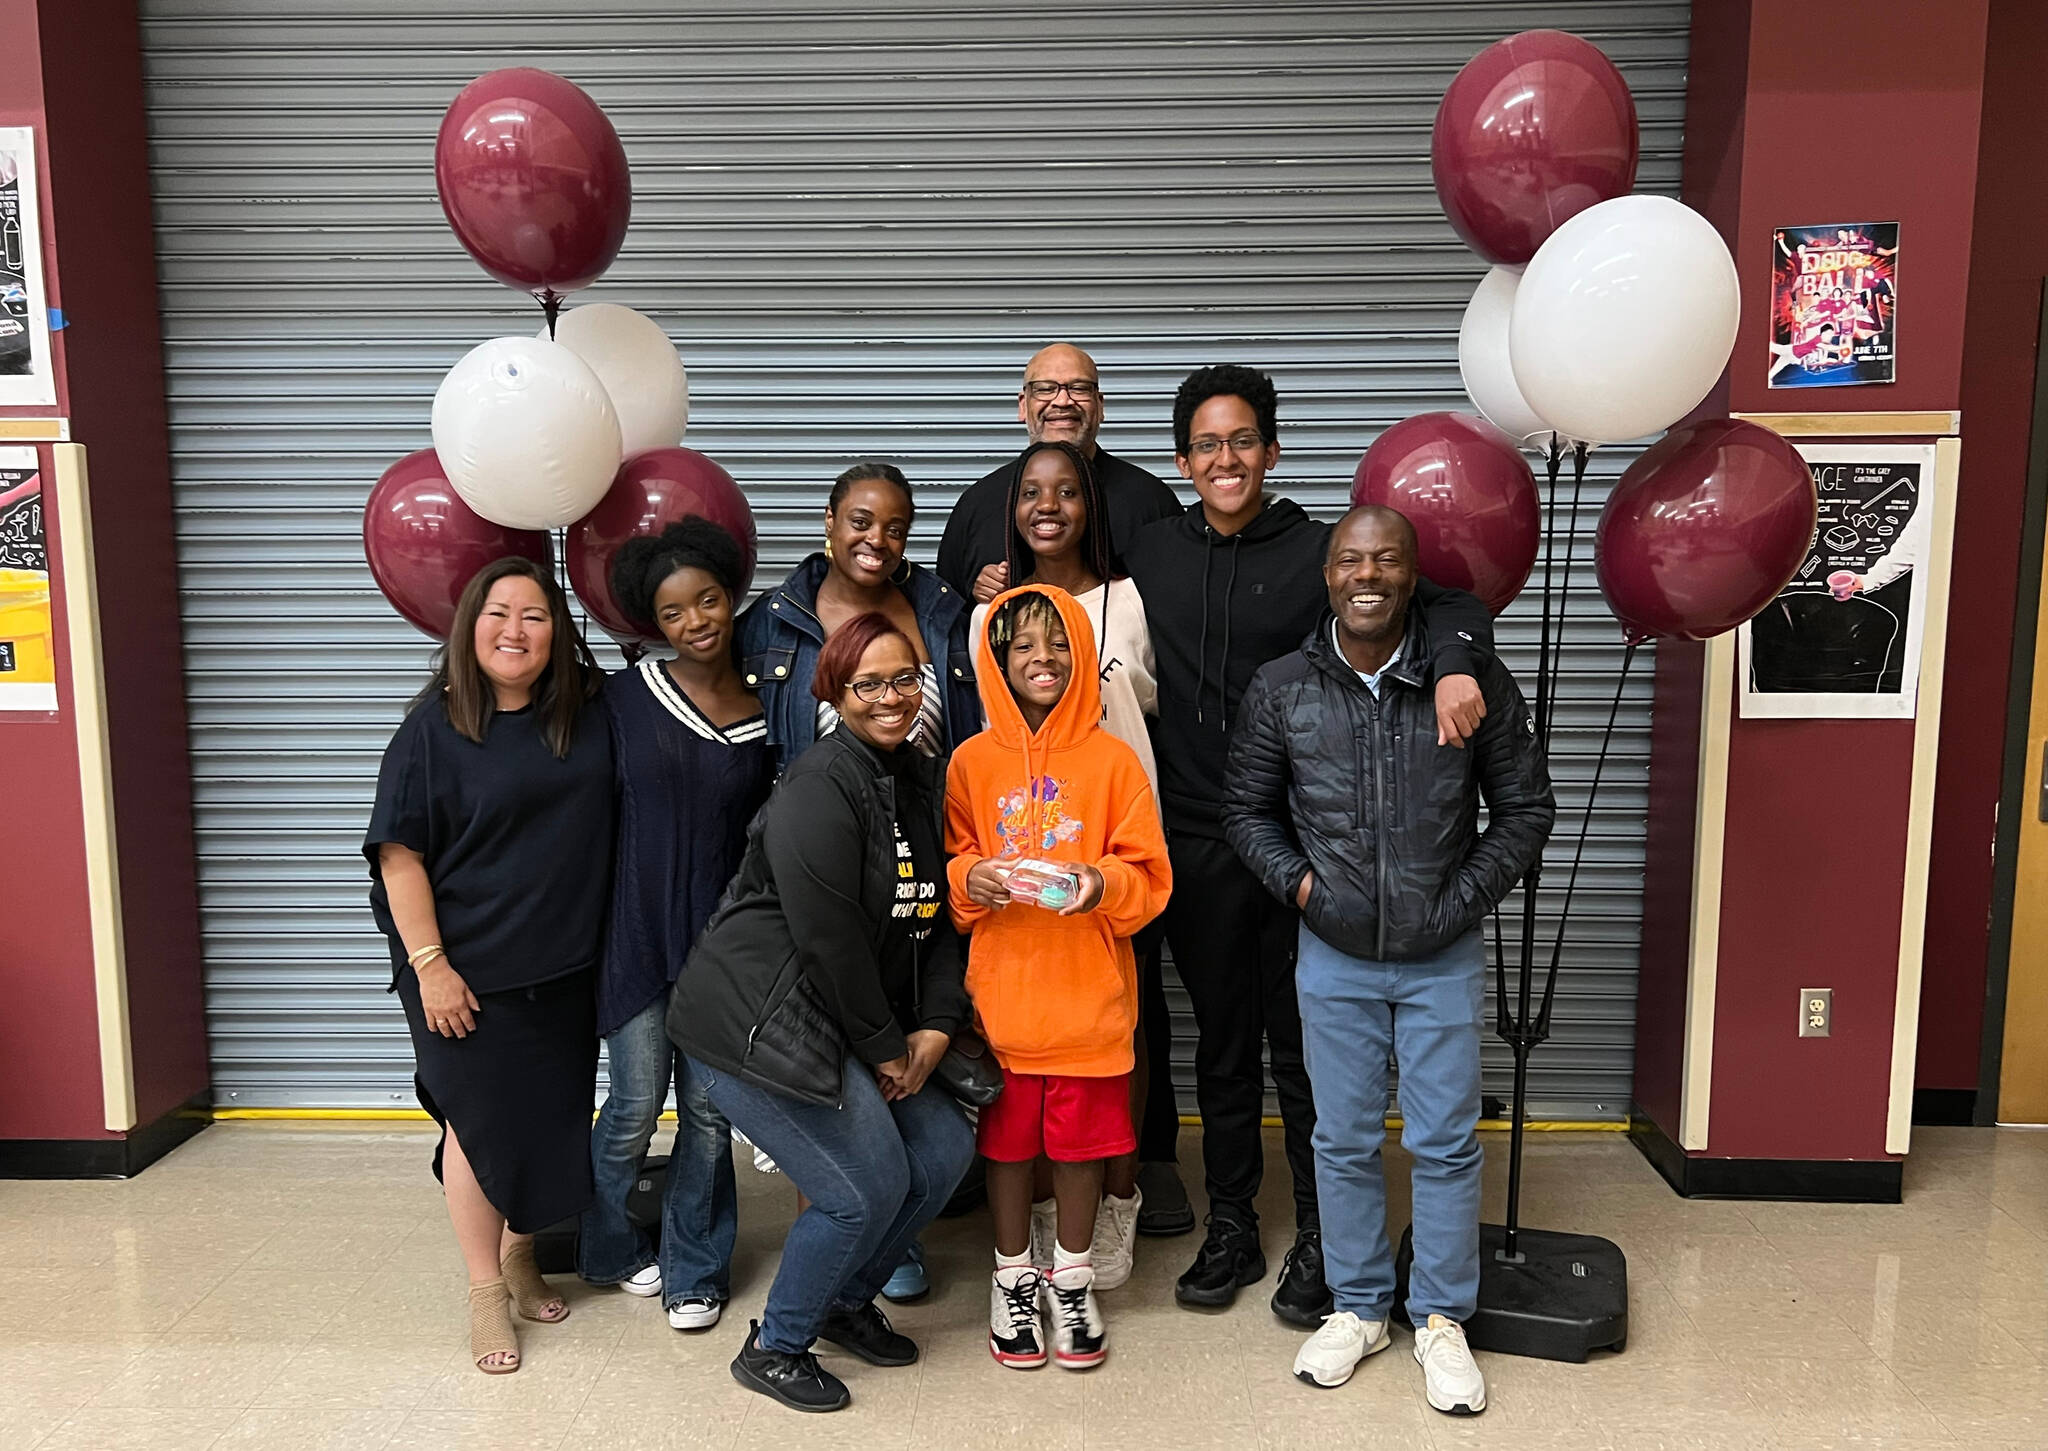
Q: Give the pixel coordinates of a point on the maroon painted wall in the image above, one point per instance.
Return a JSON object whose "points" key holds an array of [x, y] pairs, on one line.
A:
{"points": [[2008, 259], [73, 72]]}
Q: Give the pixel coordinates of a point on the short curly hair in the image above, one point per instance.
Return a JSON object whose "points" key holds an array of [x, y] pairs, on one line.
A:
{"points": [[1225, 380], [643, 563]]}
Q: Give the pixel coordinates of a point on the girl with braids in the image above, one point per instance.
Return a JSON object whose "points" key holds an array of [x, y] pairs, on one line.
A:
{"points": [[692, 766], [1058, 536]]}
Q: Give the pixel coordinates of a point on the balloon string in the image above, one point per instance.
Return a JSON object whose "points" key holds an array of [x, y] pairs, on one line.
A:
{"points": [[1543, 640], [1565, 588], [551, 306], [1564, 911]]}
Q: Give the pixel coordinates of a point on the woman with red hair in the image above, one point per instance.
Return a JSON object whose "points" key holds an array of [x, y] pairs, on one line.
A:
{"points": [[817, 1003]]}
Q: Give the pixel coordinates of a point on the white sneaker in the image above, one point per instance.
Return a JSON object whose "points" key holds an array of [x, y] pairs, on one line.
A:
{"points": [[1044, 1233], [644, 1282], [694, 1314], [1328, 1357], [1116, 1239], [1016, 1330], [1449, 1378], [1079, 1338]]}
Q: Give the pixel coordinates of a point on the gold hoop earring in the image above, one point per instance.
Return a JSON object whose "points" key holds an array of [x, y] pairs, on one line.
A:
{"points": [[828, 546]]}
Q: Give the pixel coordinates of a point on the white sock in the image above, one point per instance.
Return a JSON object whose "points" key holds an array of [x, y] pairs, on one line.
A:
{"points": [[1012, 1268], [1066, 1262]]}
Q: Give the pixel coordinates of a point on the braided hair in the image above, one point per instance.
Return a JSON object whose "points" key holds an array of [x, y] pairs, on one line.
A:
{"points": [[1097, 550]]}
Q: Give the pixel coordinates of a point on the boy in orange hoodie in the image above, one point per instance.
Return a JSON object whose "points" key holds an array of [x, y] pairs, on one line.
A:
{"points": [[1055, 990]]}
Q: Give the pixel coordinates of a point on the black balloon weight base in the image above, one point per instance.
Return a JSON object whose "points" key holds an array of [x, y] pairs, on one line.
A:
{"points": [[1564, 1298]]}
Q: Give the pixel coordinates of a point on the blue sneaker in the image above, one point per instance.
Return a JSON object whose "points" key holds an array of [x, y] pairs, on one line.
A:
{"points": [[910, 1282]]}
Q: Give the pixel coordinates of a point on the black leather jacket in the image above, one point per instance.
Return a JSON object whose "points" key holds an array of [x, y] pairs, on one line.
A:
{"points": [[802, 961], [1326, 778]]}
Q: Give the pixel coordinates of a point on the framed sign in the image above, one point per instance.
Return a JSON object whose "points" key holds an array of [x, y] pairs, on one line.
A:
{"points": [[28, 670], [1834, 305], [28, 378], [1844, 637]]}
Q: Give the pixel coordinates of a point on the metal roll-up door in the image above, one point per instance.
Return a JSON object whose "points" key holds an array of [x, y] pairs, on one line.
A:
{"points": [[856, 222]]}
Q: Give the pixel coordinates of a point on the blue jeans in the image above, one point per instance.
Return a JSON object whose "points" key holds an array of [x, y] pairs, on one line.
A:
{"points": [[700, 1213], [1428, 1013], [876, 1174]]}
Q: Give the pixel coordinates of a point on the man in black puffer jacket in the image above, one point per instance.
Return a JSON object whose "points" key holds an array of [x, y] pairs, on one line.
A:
{"points": [[1341, 800]]}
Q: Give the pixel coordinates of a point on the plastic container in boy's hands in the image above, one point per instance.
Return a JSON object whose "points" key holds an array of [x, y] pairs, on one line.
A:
{"points": [[1042, 883]]}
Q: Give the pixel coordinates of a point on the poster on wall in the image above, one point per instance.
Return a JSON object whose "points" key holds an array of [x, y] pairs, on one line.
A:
{"points": [[27, 376], [1843, 638], [1834, 305], [28, 668]]}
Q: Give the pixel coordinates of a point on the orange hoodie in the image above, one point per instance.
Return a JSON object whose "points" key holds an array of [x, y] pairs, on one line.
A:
{"points": [[1054, 994]]}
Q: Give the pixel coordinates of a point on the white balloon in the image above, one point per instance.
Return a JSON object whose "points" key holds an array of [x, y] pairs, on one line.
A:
{"points": [[1483, 359], [526, 433], [638, 366], [1624, 318]]}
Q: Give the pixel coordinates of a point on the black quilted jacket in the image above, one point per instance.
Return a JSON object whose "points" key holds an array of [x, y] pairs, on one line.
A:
{"points": [[1325, 778]]}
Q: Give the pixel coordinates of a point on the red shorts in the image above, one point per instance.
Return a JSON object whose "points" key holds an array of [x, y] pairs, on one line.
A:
{"points": [[1071, 1120]]}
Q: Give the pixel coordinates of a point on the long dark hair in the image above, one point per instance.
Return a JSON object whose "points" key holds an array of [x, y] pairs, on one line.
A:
{"points": [[1098, 551], [572, 675]]}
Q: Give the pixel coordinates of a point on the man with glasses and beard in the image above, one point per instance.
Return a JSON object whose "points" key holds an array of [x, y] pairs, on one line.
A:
{"points": [[1060, 402]]}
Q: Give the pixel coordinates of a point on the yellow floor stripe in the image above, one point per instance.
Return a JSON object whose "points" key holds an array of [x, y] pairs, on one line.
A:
{"points": [[415, 1115]]}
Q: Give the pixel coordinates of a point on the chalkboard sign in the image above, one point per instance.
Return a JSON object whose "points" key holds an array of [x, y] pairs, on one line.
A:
{"points": [[1843, 638]]}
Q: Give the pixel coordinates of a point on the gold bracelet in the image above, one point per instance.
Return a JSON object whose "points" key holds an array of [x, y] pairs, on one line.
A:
{"points": [[418, 960]]}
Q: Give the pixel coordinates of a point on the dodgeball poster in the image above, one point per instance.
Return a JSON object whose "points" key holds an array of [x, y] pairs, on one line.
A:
{"points": [[1843, 638], [1834, 305]]}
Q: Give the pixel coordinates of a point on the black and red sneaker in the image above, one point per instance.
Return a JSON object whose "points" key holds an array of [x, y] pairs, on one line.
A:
{"points": [[1016, 1331]]}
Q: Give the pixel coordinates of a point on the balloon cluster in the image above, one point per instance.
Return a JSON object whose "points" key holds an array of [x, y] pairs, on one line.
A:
{"points": [[577, 427], [1605, 316]]}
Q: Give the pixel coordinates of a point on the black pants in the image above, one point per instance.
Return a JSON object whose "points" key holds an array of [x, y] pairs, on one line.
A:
{"points": [[1159, 1129], [1234, 946]]}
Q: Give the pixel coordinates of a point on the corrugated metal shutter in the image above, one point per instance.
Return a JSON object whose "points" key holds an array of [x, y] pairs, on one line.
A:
{"points": [[857, 222]]}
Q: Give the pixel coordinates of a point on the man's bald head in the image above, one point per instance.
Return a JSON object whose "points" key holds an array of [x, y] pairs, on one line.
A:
{"points": [[1061, 416], [1379, 516]]}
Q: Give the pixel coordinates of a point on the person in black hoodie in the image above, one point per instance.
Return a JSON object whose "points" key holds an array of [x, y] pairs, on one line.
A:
{"points": [[1229, 584], [816, 1004]]}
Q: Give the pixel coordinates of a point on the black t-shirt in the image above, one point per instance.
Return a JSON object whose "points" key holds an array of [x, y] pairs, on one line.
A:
{"points": [[518, 844], [977, 531]]}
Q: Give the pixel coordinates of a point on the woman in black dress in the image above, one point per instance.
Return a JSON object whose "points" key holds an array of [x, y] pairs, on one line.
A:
{"points": [[490, 852]]}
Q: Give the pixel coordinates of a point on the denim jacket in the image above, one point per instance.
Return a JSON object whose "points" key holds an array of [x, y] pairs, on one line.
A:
{"points": [[780, 637]]}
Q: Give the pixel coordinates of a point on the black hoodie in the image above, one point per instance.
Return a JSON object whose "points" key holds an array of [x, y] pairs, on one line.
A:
{"points": [[1221, 605]]}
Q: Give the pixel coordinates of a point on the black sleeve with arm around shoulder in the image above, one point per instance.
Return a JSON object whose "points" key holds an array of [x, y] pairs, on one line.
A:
{"points": [[972, 540], [1255, 818], [1459, 627], [1514, 782], [816, 848]]}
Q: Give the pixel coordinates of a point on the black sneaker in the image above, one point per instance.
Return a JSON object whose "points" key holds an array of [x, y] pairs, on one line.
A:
{"points": [[868, 1334], [1229, 1259], [1302, 1298], [798, 1381], [1165, 1209]]}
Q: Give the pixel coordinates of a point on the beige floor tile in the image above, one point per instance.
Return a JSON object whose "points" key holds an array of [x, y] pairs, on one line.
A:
{"points": [[1830, 1400], [653, 1428], [275, 1307], [60, 1376], [439, 1430], [1008, 1428], [1929, 1329], [1987, 1405], [23, 1428], [339, 1245], [1775, 1324], [196, 1374], [1696, 1266], [390, 1375], [128, 1428], [394, 1302], [1212, 1377], [554, 1376], [310, 1429]]}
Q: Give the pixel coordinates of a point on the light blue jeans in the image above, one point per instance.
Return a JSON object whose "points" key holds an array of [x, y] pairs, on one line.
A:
{"points": [[1429, 1014], [876, 1174], [700, 1214]]}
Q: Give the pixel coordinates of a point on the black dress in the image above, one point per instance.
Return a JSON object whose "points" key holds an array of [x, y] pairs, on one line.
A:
{"points": [[518, 848]]}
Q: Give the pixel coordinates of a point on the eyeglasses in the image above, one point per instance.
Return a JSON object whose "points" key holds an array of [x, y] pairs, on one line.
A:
{"points": [[1079, 389], [1242, 443], [907, 684]]}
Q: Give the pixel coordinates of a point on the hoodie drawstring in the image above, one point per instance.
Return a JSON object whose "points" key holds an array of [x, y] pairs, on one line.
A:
{"points": [[1202, 650], [1229, 588]]}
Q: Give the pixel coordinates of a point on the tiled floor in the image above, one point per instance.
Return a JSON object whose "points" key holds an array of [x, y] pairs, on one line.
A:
{"points": [[298, 1288]]}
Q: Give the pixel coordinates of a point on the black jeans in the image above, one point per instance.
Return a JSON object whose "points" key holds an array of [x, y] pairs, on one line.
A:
{"points": [[1234, 946], [1159, 1128]]}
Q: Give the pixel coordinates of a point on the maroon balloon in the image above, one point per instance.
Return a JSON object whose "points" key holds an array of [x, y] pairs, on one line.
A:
{"points": [[424, 544], [1470, 495], [653, 490], [534, 180], [1704, 529], [1535, 129]]}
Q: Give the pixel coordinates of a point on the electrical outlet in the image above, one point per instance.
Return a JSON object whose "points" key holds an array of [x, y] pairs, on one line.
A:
{"points": [[1816, 1011]]}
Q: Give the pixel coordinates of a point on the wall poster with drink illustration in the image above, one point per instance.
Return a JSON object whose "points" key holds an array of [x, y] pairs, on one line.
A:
{"points": [[28, 661], [28, 378], [1843, 638]]}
